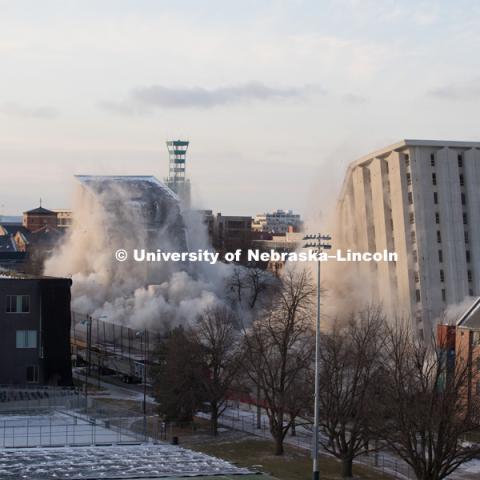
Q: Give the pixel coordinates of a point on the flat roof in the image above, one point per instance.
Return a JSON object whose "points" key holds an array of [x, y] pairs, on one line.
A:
{"points": [[405, 143], [11, 275]]}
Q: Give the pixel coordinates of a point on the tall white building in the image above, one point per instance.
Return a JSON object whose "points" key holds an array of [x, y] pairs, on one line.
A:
{"points": [[421, 199], [277, 222]]}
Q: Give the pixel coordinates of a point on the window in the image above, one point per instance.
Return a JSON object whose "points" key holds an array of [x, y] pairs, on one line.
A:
{"points": [[467, 256], [465, 234], [437, 217], [412, 235], [440, 256], [463, 199], [432, 159], [435, 198], [434, 178], [417, 277], [32, 374], [18, 304], [415, 257], [442, 276], [417, 295], [410, 198], [470, 292], [439, 237], [444, 295], [26, 339], [412, 218], [409, 179], [460, 161], [407, 160], [465, 221], [469, 274], [462, 182]]}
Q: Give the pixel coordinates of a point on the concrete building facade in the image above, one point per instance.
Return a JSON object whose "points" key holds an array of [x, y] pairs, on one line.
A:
{"points": [[277, 222], [420, 199]]}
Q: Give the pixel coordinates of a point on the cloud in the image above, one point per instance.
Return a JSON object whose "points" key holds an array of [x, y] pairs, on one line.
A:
{"points": [[354, 99], [15, 110], [144, 99], [465, 91]]}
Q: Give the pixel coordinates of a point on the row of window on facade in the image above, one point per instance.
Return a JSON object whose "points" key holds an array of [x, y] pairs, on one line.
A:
{"points": [[18, 304], [26, 339], [432, 160], [413, 236], [442, 276], [418, 296], [440, 256]]}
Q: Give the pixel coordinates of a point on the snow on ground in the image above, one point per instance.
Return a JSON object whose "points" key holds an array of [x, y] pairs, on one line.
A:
{"points": [[134, 461], [57, 429]]}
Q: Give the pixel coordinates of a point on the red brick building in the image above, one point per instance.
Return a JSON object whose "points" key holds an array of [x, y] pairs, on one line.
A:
{"points": [[39, 217], [460, 344]]}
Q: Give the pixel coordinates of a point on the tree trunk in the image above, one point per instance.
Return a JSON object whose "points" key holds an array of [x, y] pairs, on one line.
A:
{"points": [[259, 410], [347, 467], [293, 431], [214, 419], [279, 444]]}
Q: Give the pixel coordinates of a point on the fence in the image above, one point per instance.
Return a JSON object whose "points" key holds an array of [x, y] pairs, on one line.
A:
{"points": [[112, 347], [246, 421], [14, 398], [53, 416], [51, 430]]}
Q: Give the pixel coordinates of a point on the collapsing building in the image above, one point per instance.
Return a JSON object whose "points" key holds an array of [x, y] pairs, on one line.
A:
{"points": [[420, 199], [138, 212], [122, 214]]}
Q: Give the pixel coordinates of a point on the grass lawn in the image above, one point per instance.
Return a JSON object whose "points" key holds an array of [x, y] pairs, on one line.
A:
{"points": [[257, 454], [248, 451]]}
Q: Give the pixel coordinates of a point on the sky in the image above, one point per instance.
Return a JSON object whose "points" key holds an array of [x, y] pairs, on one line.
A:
{"points": [[276, 97]]}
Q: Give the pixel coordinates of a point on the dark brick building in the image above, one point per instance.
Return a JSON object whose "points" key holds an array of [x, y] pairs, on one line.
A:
{"points": [[35, 330]]}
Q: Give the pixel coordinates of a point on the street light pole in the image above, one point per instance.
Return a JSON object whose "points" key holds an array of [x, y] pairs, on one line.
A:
{"points": [[316, 242]]}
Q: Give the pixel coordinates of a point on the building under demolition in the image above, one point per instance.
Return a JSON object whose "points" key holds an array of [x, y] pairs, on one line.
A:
{"points": [[420, 199], [136, 212]]}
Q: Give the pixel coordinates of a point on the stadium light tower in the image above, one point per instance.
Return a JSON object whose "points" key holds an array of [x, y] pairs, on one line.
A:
{"points": [[177, 180], [317, 242]]}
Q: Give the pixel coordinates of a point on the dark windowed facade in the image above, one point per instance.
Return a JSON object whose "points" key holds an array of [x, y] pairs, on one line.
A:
{"points": [[35, 326]]}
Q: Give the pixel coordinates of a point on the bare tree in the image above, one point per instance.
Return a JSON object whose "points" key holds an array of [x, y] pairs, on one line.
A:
{"points": [[237, 284], [251, 286], [350, 359], [426, 407], [178, 378], [216, 334], [279, 348]]}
